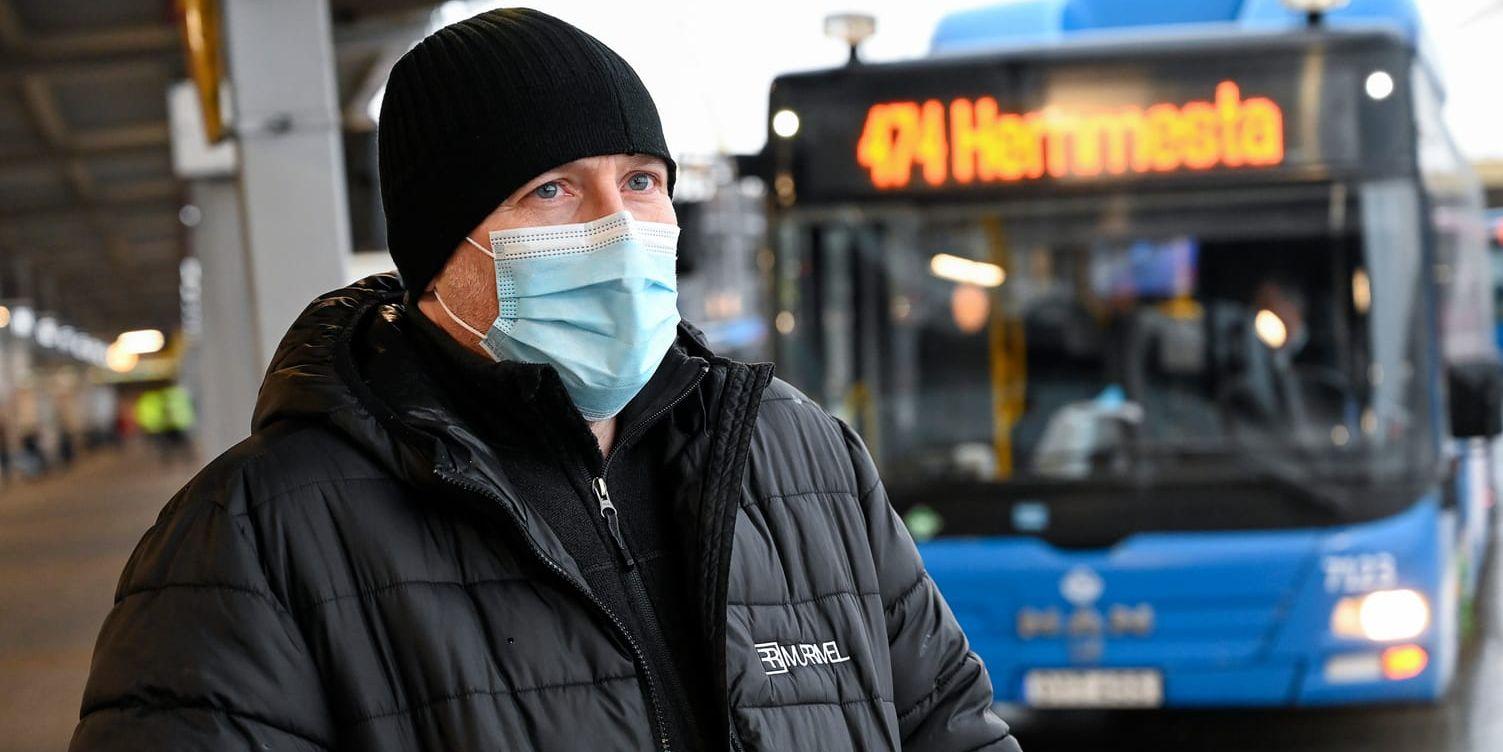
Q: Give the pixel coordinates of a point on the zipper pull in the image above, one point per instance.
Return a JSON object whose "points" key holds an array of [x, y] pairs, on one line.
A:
{"points": [[612, 521]]}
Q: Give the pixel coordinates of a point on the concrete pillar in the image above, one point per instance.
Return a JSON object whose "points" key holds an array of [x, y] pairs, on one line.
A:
{"points": [[280, 55], [229, 369]]}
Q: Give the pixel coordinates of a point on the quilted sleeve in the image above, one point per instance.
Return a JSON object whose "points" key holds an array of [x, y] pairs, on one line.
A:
{"points": [[941, 689], [198, 653]]}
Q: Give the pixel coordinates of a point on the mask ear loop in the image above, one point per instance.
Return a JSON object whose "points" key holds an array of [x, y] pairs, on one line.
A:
{"points": [[479, 247], [457, 320], [445, 306]]}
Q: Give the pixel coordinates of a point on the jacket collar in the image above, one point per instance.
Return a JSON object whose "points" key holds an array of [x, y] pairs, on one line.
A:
{"points": [[508, 403], [346, 363]]}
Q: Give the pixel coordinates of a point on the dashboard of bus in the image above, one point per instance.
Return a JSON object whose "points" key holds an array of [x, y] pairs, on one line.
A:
{"points": [[1254, 356]]}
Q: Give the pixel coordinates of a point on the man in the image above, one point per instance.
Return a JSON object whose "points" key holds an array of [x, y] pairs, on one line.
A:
{"points": [[1268, 388], [515, 504]]}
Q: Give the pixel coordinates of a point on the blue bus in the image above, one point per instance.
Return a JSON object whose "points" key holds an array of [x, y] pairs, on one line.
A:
{"points": [[1171, 329]]}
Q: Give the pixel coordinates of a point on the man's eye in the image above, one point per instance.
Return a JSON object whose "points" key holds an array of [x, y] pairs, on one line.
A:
{"points": [[546, 190], [641, 182]]}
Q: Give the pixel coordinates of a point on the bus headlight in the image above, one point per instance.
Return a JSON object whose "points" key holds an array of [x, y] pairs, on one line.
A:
{"points": [[1381, 616]]}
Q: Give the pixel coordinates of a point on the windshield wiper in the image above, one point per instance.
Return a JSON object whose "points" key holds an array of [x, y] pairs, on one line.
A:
{"points": [[1304, 488], [1293, 480]]}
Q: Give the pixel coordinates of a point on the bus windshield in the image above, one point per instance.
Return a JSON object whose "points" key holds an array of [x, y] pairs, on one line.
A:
{"points": [[1270, 333]]}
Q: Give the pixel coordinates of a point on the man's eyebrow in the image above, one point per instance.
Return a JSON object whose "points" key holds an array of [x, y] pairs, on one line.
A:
{"points": [[647, 160], [546, 177]]}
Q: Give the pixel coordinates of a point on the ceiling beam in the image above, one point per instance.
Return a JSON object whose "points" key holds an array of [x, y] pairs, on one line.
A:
{"points": [[137, 191], [45, 116], [122, 137], [105, 70], [102, 42], [20, 43], [73, 212], [84, 273], [48, 121], [18, 159], [53, 130], [135, 284]]}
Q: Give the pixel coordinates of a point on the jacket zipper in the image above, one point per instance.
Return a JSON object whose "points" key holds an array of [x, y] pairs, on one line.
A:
{"points": [[636, 588], [540, 555], [607, 510], [637, 427], [597, 482], [634, 583], [613, 523]]}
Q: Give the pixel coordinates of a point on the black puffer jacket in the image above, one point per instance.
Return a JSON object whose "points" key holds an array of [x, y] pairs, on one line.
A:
{"points": [[358, 575]]}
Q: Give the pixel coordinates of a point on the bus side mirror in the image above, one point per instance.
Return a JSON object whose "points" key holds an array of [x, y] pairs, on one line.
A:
{"points": [[1476, 399]]}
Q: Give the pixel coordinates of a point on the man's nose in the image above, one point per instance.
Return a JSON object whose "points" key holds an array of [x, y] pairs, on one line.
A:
{"points": [[603, 199]]}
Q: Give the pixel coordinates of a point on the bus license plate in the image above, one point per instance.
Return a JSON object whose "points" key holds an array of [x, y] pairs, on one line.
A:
{"points": [[1094, 688]]}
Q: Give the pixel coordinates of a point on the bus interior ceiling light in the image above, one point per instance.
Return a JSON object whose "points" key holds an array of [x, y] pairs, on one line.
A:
{"points": [[1362, 291], [970, 307], [784, 322], [1270, 328], [1378, 85], [141, 341], [964, 270], [4, 317], [785, 123], [1381, 616]]}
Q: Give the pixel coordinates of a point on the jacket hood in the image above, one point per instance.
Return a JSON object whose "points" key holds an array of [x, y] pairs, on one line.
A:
{"points": [[314, 377], [303, 379]]}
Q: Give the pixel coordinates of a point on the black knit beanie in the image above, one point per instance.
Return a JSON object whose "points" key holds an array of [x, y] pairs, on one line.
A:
{"points": [[481, 107]]}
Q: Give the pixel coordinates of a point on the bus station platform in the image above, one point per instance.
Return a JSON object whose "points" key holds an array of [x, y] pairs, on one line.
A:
{"points": [[63, 541]]}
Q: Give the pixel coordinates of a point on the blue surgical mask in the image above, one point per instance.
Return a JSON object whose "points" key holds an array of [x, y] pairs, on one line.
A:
{"points": [[598, 301]]}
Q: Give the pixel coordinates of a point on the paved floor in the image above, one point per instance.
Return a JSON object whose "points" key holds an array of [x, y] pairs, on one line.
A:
{"points": [[63, 542]]}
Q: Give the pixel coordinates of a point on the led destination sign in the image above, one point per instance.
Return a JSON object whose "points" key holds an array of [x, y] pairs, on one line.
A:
{"points": [[978, 140], [1040, 123]]}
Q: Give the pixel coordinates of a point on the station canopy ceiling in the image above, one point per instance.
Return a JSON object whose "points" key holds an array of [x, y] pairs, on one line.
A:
{"points": [[88, 201]]}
